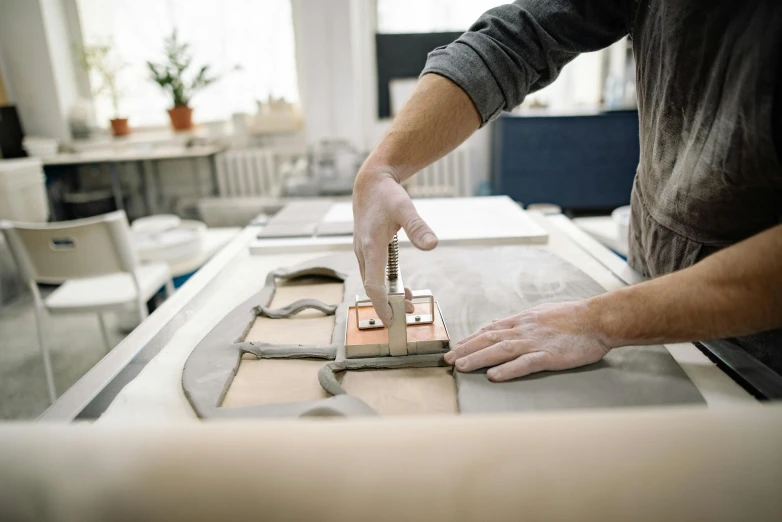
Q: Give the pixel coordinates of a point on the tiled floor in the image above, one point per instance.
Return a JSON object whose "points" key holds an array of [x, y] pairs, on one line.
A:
{"points": [[75, 345]]}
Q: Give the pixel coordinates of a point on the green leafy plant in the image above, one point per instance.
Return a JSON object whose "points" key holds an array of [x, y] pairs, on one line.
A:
{"points": [[172, 73], [102, 61]]}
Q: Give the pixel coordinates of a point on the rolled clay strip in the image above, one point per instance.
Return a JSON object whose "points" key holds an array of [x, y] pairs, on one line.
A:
{"points": [[327, 375], [290, 351], [341, 406], [294, 308]]}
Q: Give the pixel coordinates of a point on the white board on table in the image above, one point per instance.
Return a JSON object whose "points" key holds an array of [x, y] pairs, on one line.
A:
{"points": [[495, 220]]}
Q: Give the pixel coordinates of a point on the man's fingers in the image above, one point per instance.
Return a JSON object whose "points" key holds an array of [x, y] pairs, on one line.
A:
{"points": [[503, 324], [379, 297], [360, 258], [526, 364], [409, 306], [375, 260], [479, 342], [421, 236], [495, 354]]}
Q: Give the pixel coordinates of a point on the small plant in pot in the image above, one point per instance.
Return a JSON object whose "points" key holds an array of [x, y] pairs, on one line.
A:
{"points": [[103, 63], [172, 76]]}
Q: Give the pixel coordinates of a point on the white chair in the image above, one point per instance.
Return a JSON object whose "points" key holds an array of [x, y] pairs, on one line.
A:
{"points": [[96, 264]]}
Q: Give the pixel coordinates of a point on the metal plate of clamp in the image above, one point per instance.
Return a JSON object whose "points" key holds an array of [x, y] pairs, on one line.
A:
{"points": [[419, 296]]}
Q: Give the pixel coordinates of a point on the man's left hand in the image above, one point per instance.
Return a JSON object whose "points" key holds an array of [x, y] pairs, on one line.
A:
{"points": [[555, 336]]}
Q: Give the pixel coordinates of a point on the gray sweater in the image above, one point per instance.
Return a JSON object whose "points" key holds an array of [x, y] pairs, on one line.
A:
{"points": [[709, 101]]}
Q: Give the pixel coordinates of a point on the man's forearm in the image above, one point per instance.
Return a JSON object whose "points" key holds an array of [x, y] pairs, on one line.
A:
{"points": [[436, 119], [734, 292]]}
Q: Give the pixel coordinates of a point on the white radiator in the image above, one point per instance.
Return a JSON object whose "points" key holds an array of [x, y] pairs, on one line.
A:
{"points": [[447, 177], [251, 172]]}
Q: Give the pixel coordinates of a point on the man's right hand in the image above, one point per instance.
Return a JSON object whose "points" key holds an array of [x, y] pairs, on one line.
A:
{"points": [[381, 207], [436, 119]]}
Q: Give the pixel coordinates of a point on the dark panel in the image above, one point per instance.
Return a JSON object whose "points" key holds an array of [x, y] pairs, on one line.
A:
{"points": [[580, 163], [754, 376], [403, 56], [11, 133]]}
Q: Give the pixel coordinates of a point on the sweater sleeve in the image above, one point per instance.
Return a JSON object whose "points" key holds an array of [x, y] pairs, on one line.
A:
{"points": [[518, 48]]}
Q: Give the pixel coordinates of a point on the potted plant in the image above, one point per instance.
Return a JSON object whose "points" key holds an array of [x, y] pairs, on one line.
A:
{"points": [[171, 75], [101, 60]]}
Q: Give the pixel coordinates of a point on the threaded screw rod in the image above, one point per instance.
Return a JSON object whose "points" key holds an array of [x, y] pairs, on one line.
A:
{"points": [[392, 269]]}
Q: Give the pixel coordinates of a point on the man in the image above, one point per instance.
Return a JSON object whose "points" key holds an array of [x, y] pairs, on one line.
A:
{"points": [[707, 198]]}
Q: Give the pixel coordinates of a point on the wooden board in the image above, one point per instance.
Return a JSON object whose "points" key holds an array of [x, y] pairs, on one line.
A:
{"points": [[271, 381], [407, 391], [306, 327]]}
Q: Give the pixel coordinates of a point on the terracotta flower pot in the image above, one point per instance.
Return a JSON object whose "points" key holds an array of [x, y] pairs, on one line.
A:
{"points": [[120, 127], [181, 117]]}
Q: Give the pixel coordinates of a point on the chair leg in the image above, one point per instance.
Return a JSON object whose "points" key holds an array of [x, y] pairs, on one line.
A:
{"points": [[143, 313], [141, 304], [104, 333], [47, 363], [169, 288]]}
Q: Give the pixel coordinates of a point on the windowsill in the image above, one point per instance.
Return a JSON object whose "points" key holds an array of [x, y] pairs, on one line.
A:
{"points": [[146, 138], [152, 136]]}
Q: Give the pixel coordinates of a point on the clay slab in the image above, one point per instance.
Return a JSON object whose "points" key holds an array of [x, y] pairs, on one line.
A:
{"points": [[473, 286]]}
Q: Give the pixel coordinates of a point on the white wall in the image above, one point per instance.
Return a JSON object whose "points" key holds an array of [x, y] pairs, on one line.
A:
{"points": [[72, 34], [61, 52], [363, 21], [37, 66], [326, 69]]}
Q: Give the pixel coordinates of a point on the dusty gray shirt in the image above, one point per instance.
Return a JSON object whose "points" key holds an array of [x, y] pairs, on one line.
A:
{"points": [[709, 102]]}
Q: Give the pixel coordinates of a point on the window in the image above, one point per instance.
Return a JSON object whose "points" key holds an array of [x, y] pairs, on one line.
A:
{"points": [[430, 16], [255, 35]]}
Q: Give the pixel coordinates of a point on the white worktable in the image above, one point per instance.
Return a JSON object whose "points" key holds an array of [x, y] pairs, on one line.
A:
{"points": [[123, 153], [118, 152], [234, 275]]}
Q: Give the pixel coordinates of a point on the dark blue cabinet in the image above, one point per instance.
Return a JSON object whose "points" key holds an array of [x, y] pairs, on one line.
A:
{"points": [[581, 163]]}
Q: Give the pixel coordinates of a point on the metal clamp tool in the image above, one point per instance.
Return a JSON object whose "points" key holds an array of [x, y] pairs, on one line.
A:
{"points": [[432, 339], [419, 297]]}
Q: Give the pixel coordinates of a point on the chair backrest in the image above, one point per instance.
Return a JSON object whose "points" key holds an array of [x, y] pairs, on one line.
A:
{"points": [[54, 252]]}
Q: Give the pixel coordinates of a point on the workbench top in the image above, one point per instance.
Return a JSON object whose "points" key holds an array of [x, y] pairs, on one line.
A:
{"points": [[151, 358]]}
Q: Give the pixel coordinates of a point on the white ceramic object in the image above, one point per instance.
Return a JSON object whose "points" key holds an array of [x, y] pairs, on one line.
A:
{"points": [[40, 147], [23, 191], [621, 217], [174, 244], [155, 224]]}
